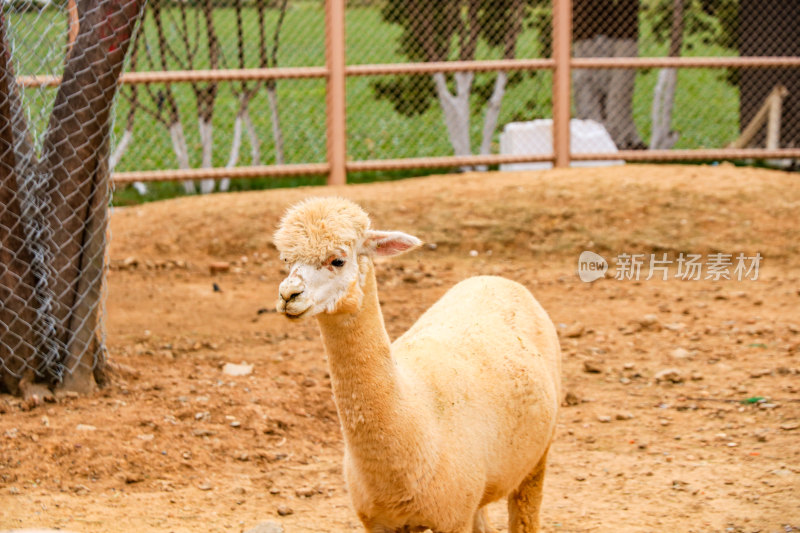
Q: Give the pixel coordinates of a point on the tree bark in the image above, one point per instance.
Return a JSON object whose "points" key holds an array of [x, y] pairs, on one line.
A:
{"points": [[456, 110], [17, 312], [662, 136], [75, 163]]}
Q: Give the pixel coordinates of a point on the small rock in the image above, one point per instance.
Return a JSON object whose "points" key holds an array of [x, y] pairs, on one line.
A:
{"points": [[284, 510], [305, 492], [592, 367], [130, 262], [604, 419], [696, 376], [761, 435], [629, 366], [789, 426], [309, 382], [232, 369], [672, 375], [649, 322], [205, 486], [131, 478], [85, 427], [624, 416], [679, 353], [760, 373], [266, 527], [580, 477], [219, 267], [571, 399], [575, 330]]}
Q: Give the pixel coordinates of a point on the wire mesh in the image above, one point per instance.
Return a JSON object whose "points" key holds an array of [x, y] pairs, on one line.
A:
{"points": [[688, 108], [54, 186], [224, 124]]}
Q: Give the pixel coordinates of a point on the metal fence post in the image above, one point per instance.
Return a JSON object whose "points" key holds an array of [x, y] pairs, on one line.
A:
{"points": [[336, 97], [562, 52]]}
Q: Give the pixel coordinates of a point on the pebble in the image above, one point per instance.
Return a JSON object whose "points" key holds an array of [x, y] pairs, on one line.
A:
{"points": [[232, 369], [266, 527], [592, 367], [284, 510], [571, 398], [605, 419], [219, 267], [575, 330], [679, 353], [85, 427], [649, 321], [624, 416], [672, 375], [305, 492], [789, 426]]}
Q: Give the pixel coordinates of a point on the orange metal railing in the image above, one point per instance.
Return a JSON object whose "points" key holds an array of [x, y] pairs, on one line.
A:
{"points": [[336, 72]]}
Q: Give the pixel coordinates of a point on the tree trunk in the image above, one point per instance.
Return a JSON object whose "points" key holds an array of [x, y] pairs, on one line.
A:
{"points": [[456, 110], [662, 136], [277, 131], [75, 163], [607, 29], [17, 312], [493, 112]]}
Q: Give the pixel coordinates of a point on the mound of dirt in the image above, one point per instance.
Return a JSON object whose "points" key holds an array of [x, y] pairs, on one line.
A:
{"points": [[682, 404]]}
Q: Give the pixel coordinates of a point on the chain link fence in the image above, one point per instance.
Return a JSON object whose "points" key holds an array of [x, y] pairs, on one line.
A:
{"points": [[54, 188], [57, 153], [223, 124]]}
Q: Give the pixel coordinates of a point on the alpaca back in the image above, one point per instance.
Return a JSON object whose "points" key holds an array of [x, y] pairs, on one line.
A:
{"points": [[486, 360]]}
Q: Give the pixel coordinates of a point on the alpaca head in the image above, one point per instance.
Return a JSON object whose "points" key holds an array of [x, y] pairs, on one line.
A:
{"points": [[328, 246]]}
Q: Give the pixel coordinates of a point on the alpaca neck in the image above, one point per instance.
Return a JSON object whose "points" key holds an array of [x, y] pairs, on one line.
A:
{"points": [[369, 393]]}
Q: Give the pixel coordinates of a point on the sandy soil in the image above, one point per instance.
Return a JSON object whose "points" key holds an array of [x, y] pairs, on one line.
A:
{"points": [[175, 444]]}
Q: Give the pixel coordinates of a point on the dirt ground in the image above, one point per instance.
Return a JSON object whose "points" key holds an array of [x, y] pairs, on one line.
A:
{"points": [[176, 444]]}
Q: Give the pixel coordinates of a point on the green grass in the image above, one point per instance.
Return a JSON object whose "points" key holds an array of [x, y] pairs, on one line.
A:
{"points": [[706, 110]]}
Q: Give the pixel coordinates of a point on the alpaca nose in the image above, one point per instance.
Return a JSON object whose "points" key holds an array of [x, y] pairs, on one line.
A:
{"points": [[289, 290]]}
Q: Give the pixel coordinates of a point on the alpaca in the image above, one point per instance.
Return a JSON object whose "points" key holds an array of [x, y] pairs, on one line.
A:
{"points": [[458, 412]]}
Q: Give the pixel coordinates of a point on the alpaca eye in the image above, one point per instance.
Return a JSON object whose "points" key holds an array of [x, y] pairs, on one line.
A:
{"points": [[338, 262]]}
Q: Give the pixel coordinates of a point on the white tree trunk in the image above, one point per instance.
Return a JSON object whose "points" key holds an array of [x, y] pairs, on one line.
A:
{"points": [[236, 145], [277, 132], [207, 142], [255, 145], [492, 114], [662, 137], [456, 110], [181, 152], [119, 151]]}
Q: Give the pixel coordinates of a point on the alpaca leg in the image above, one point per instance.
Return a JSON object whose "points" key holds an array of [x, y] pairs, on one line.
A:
{"points": [[481, 524], [525, 501]]}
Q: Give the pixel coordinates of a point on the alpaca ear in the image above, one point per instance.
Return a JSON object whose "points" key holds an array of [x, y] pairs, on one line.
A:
{"points": [[389, 243]]}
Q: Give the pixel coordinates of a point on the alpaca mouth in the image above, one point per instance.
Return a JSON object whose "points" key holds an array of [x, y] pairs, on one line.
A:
{"points": [[283, 308], [294, 316]]}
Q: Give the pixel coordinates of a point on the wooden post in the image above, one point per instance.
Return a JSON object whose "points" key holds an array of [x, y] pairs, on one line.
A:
{"points": [[337, 97], [562, 54]]}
